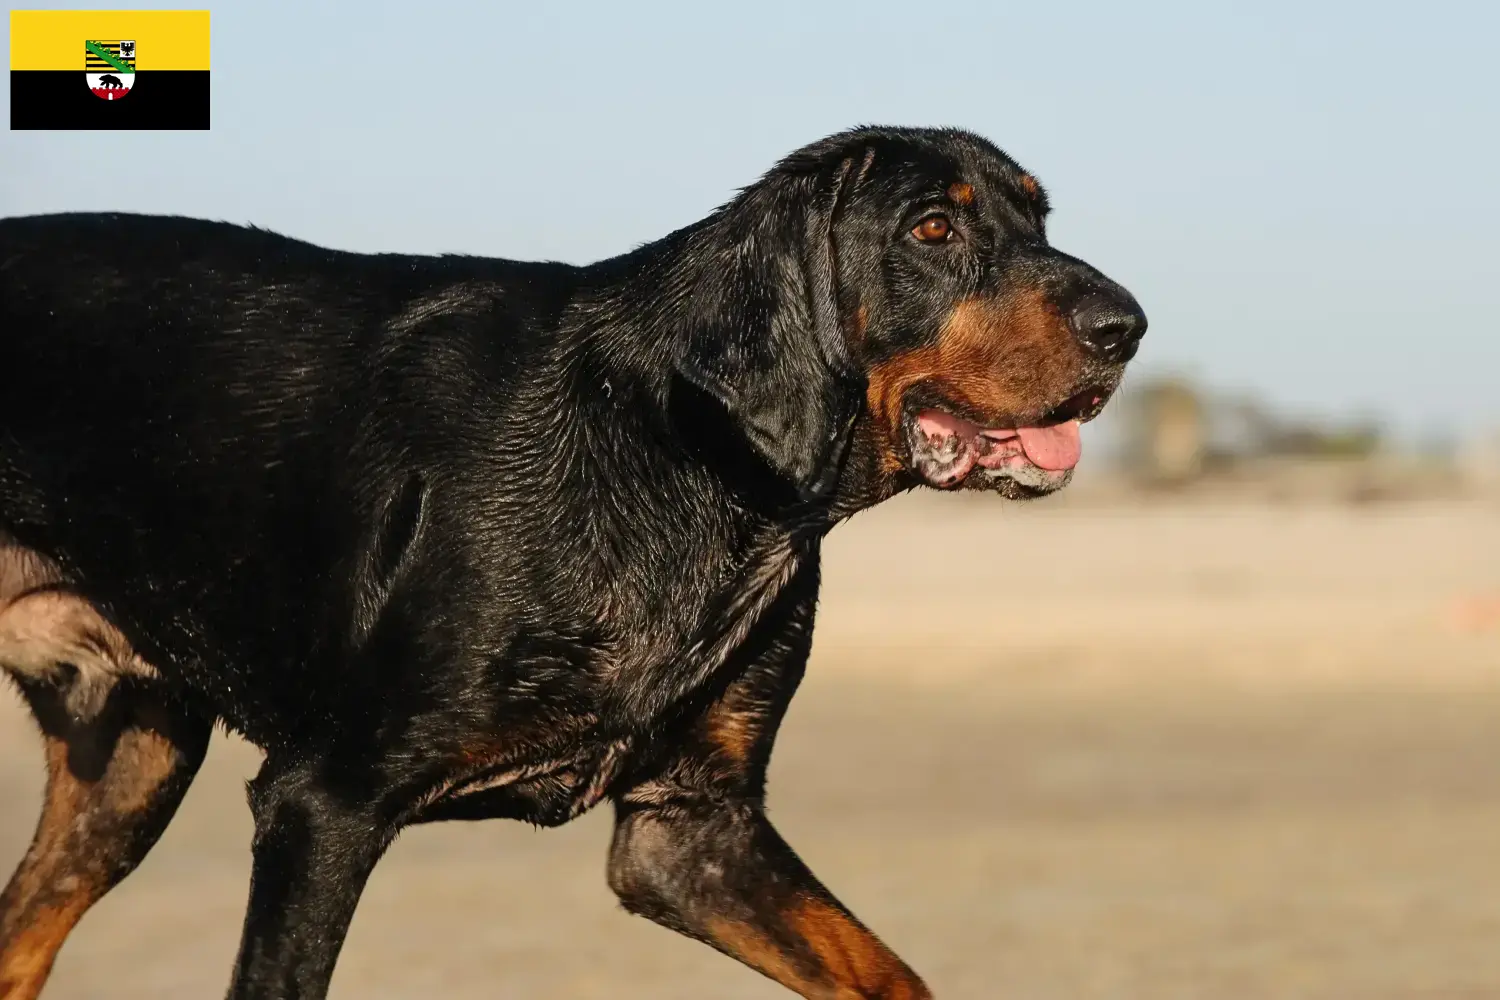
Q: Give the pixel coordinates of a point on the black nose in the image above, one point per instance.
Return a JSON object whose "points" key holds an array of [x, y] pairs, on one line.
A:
{"points": [[1110, 326]]}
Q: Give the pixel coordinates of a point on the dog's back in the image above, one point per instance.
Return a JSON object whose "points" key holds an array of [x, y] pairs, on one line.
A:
{"points": [[161, 409], [180, 397]]}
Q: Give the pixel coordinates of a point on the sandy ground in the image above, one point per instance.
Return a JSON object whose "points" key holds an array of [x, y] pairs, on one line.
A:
{"points": [[1060, 751]]}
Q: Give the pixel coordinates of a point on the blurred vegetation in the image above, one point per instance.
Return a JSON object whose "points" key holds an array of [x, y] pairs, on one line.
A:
{"points": [[1176, 432]]}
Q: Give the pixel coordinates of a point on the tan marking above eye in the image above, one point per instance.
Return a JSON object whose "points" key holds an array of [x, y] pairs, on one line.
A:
{"points": [[933, 229], [961, 192]]}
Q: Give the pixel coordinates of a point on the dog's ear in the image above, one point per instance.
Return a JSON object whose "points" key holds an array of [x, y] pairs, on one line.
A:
{"points": [[764, 335]]}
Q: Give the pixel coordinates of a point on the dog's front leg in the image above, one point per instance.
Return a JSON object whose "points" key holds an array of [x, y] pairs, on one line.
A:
{"points": [[316, 841], [693, 851], [719, 872]]}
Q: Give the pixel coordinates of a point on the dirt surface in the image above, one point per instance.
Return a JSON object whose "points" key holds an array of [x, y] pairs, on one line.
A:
{"points": [[1047, 752]]}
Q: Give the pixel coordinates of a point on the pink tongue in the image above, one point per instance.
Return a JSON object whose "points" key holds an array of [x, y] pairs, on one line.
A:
{"points": [[1052, 448]]}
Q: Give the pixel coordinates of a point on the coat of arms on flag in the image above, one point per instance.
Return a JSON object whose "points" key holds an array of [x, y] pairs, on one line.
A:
{"points": [[109, 67]]}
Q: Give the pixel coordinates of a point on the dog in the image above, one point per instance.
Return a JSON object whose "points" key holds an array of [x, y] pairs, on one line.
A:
{"points": [[462, 538]]}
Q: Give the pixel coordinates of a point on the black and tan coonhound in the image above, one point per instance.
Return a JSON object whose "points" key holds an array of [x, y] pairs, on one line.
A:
{"points": [[456, 538]]}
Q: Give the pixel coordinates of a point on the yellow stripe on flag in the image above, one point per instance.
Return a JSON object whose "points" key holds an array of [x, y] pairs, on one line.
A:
{"points": [[53, 39]]}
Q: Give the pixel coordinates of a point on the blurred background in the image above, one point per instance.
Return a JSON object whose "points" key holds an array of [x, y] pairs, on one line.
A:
{"points": [[1221, 720]]}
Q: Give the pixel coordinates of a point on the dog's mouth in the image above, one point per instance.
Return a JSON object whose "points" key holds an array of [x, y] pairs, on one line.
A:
{"points": [[1031, 458]]}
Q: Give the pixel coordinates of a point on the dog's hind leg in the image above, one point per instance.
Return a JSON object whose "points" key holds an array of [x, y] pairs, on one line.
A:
{"points": [[114, 778]]}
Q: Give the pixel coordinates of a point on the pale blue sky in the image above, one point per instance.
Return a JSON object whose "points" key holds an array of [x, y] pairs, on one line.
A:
{"points": [[1303, 196]]}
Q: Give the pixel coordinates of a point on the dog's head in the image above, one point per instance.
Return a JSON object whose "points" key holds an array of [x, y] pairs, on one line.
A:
{"points": [[896, 285]]}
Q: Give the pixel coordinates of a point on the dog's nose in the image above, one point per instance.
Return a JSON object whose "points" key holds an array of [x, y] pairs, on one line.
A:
{"points": [[1109, 326]]}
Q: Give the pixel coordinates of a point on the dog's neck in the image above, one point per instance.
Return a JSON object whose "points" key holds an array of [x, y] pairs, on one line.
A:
{"points": [[626, 326]]}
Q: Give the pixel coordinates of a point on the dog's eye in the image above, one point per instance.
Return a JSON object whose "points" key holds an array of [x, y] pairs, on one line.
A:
{"points": [[933, 229]]}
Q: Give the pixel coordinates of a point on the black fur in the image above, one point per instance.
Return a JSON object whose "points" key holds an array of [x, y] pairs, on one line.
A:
{"points": [[453, 537]]}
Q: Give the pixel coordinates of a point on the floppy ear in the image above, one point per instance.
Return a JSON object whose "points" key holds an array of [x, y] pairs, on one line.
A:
{"points": [[763, 333]]}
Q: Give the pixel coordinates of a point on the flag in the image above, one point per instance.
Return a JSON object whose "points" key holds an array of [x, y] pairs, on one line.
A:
{"points": [[109, 69]]}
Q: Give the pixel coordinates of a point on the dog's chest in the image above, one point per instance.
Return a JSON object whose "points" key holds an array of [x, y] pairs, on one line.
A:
{"points": [[547, 791], [581, 707]]}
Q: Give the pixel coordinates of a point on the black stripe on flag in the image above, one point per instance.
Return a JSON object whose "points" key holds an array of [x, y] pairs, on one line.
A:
{"points": [[61, 99]]}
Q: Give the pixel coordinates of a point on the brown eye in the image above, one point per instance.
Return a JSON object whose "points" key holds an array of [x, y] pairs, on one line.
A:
{"points": [[933, 229]]}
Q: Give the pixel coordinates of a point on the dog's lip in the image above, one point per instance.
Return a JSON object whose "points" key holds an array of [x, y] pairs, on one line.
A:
{"points": [[944, 446], [945, 450], [1082, 406]]}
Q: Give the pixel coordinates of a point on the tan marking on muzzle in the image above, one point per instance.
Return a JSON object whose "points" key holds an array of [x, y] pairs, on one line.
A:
{"points": [[1003, 358]]}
